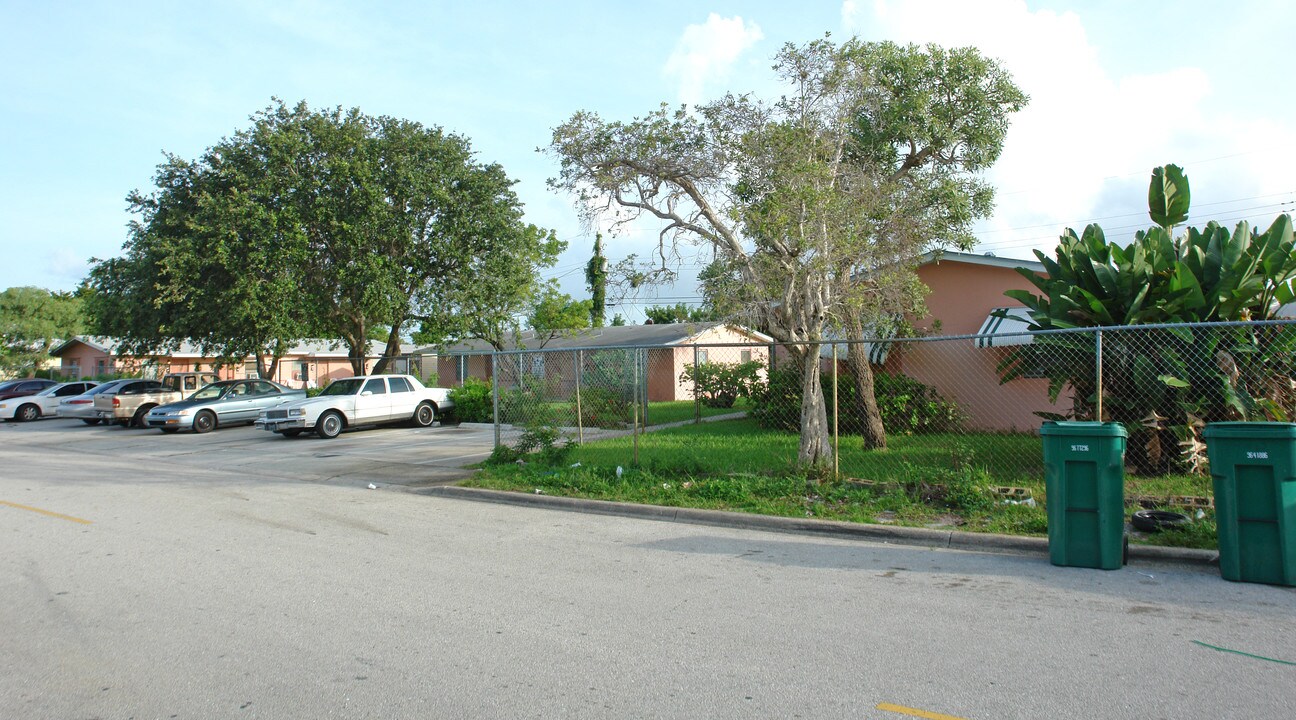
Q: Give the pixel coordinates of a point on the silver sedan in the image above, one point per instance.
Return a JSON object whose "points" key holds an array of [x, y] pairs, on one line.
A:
{"points": [[227, 402]]}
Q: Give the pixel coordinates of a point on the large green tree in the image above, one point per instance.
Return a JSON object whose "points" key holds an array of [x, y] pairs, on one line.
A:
{"points": [[556, 314], [313, 222], [817, 206], [32, 321]]}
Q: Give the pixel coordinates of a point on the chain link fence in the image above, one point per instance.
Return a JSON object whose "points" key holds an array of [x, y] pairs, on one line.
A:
{"points": [[970, 404]]}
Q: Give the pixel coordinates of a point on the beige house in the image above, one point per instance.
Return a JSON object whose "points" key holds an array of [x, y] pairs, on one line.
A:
{"points": [[663, 352], [312, 363]]}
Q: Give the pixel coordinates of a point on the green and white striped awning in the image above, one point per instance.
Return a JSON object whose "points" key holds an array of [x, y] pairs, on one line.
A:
{"points": [[1005, 327]]}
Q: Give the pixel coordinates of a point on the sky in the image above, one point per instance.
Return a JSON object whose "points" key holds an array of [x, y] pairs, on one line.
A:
{"points": [[93, 94]]}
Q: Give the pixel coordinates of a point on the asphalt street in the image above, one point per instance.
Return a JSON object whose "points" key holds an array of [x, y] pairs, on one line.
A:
{"points": [[235, 575]]}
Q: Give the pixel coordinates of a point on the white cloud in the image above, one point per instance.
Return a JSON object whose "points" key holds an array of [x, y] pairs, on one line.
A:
{"points": [[705, 54], [66, 265], [1085, 144]]}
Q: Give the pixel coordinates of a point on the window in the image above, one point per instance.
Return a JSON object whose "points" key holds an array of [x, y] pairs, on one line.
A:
{"points": [[69, 390], [190, 382], [261, 387], [745, 356], [375, 386], [400, 385], [702, 357]]}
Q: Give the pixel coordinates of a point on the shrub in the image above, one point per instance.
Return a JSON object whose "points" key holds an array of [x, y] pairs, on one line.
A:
{"points": [[719, 385], [603, 407], [539, 444], [472, 401], [908, 407]]}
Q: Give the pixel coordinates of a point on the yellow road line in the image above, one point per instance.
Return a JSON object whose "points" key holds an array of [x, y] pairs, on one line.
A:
{"points": [[914, 712], [60, 516]]}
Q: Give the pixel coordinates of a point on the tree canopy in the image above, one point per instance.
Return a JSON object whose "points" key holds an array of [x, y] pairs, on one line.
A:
{"points": [[32, 321], [817, 206], [326, 223]]}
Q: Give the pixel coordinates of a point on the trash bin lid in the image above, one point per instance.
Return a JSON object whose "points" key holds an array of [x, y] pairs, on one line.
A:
{"points": [[1249, 430], [1084, 428]]}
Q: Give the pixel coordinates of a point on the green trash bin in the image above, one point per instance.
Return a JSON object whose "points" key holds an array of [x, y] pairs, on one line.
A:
{"points": [[1253, 469], [1084, 477]]}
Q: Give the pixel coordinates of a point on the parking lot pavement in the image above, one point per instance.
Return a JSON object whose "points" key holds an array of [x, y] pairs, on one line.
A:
{"points": [[394, 455]]}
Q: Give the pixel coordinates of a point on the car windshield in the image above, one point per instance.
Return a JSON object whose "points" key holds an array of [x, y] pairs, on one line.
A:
{"points": [[349, 386], [211, 392], [106, 387]]}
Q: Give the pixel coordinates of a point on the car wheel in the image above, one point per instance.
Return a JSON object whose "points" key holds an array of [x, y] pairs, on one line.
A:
{"points": [[27, 413], [204, 421], [424, 414], [291, 432], [170, 431], [90, 421], [329, 425], [139, 420]]}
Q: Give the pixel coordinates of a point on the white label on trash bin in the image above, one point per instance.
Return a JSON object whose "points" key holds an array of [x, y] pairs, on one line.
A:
{"points": [[1079, 448], [1257, 455]]}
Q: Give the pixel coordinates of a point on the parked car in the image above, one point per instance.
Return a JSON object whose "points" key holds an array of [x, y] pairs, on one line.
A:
{"points": [[26, 408], [364, 400], [227, 402], [26, 386], [81, 407], [132, 401]]}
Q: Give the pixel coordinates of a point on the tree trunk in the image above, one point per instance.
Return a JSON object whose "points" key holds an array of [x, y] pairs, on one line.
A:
{"points": [[866, 406], [392, 350], [266, 370], [357, 348], [816, 437]]}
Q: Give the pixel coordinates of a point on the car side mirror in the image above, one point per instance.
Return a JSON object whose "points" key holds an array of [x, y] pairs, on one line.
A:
{"points": [[366, 393]]}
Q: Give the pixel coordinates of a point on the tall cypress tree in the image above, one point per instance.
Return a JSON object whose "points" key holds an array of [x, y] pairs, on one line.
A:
{"points": [[596, 281]]}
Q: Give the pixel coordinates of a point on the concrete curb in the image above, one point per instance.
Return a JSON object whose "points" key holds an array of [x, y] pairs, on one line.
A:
{"points": [[923, 537]]}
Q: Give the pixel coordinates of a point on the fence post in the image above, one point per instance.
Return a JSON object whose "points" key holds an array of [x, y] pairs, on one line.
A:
{"points": [[1099, 372], [642, 356], [580, 370], [495, 396], [836, 437], [697, 399], [634, 425]]}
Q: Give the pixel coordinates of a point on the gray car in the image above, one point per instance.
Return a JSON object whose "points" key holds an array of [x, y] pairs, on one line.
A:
{"points": [[82, 406], [227, 402]]}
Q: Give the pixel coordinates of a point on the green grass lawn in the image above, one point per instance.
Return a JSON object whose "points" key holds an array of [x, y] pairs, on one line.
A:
{"points": [[659, 413], [921, 480]]}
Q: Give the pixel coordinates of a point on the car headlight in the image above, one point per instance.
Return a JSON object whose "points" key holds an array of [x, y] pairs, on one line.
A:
{"points": [[297, 412], [185, 413]]}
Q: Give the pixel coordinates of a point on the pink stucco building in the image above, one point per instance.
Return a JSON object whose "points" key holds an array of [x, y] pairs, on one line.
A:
{"points": [[313, 363]]}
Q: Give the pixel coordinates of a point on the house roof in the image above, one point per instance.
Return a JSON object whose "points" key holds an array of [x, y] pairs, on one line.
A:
{"points": [[939, 256], [189, 349], [657, 335]]}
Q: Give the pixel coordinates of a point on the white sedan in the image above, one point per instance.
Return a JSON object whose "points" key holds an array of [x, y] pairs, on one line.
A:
{"points": [[44, 403], [366, 400]]}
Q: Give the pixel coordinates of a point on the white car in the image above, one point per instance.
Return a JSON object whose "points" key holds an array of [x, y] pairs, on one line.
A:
{"points": [[46, 402], [81, 407], [364, 400]]}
